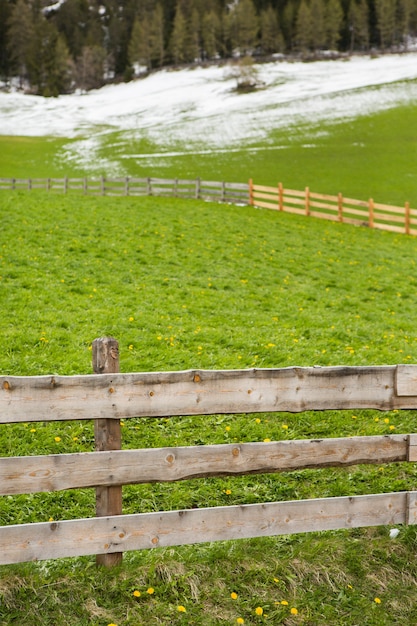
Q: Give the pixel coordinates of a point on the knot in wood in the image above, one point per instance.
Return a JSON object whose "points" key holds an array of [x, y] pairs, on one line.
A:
{"points": [[6, 385], [197, 378]]}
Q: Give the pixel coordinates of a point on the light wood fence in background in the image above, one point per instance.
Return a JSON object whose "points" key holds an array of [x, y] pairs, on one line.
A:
{"points": [[336, 208], [109, 397]]}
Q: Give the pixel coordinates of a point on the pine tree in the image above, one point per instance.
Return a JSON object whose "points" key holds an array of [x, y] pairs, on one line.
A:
{"points": [[317, 29], [211, 34], [358, 19], [334, 21], [156, 36], [139, 52], [271, 36], [303, 27], [90, 67], [289, 20], [21, 35], [242, 26], [178, 36], [385, 16]]}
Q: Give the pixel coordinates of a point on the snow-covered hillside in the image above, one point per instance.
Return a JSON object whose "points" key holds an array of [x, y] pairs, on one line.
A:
{"points": [[197, 109]]}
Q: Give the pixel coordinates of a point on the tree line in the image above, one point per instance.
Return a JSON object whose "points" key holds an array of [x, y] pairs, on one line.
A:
{"points": [[56, 48]]}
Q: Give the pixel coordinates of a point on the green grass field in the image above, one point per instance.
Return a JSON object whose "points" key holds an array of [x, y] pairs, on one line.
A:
{"points": [[184, 284]]}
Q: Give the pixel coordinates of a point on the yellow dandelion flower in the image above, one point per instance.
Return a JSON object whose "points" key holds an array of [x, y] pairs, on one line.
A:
{"points": [[240, 620], [386, 420], [228, 428], [377, 600], [136, 593], [112, 624], [259, 610], [284, 603], [276, 580], [33, 430], [57, 439], [233, 595], [131, 347], [258, 421], [392, 427], [284, 426], [131, 318], [51, 519], [267, 440], [294, 611], [151, 590], [227, 492], [181, 609]]}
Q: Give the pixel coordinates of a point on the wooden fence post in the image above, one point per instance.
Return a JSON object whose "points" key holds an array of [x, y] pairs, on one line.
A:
{"points": [[340, 207], [280, 197], [107, 437], [197, 188], [307, 201], [407, 218], [371, 213], [250, 191]]}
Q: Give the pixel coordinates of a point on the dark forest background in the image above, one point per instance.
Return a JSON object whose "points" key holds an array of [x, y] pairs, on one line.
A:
{"points": [[56, 48]]}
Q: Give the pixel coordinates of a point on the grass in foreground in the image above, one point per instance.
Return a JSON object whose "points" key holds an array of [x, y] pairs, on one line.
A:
{"points": [[184, 284]]}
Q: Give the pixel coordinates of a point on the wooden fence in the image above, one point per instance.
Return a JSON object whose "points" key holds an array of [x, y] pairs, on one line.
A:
{"points": [[336, 208], [108, 396], [174, 187], [309, 203]]}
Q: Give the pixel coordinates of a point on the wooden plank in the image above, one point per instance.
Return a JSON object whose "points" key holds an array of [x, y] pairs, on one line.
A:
{"points": [[257, 188], [323, 196], [384, 217], [325, 216], [293, 200], [353, 202], [388, 208], [293, 210], [293, 192], [323, 205], [412, 448], [32, 542], [392, 229], [265, 205], [266, 196], [123, 467], [238, 186], [199, 392]]}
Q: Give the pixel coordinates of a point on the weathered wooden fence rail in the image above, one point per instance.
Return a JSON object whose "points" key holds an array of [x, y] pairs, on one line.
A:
{"points": [[109, 397], [335, 208]]}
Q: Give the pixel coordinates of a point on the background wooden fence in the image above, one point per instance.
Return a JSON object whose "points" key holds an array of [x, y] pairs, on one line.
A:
{"points": [[309, 203], [174, 187], [336, 208], [108, 396]]}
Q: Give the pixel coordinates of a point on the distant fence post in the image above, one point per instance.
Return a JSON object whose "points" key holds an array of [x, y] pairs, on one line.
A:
{"points": [[371, 213], [407, 218], [280, 197], [197, 188], [340, 207], [307, 201], [107, 437], [250, 191]]}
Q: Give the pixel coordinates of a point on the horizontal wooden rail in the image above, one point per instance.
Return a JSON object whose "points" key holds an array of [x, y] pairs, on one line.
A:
{"points": [[203, 392], [106, 535], [123, 467]]}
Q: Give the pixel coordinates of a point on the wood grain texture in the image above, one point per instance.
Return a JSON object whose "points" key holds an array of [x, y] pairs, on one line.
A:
{"points": [[121, 467], [203, 392], [29, 542]]}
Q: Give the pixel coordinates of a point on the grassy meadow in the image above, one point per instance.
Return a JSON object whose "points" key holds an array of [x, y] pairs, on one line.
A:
{"points": [[186, 284]]}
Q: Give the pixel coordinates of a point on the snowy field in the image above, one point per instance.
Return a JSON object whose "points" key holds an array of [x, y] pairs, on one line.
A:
{"points": [[197, 110]]}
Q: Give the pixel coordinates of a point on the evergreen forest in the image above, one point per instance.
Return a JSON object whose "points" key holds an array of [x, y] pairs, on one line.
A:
{"points": [[83, 44]]}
